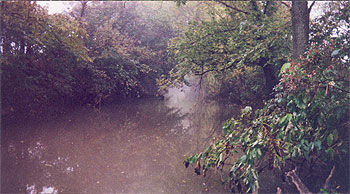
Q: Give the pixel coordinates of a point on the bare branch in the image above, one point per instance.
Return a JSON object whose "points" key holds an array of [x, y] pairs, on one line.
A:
{"points": [[286, 4], [232, 7], [204, 72], [72, 14], [217, 70], [326, 184], [312, 4], [297, 182], [83, 7], [301, 186]]}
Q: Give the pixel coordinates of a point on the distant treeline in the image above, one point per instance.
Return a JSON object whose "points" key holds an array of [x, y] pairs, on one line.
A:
{"points": [[95, 52]]}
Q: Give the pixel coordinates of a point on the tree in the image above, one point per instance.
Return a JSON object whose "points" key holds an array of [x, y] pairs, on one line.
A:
{"points": [[94, 53], [233, 40], [250, 53], [38, 53], [300, 26], [127, 41], [304, 128]]}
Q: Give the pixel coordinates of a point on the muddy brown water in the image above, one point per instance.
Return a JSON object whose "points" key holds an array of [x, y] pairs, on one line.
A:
{"points": [[132, 147]]}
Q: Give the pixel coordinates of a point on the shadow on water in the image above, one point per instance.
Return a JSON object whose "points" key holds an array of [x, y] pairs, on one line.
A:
{"points": [[133, 147]]}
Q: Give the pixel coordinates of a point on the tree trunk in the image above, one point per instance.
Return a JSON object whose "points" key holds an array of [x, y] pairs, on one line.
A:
{"points": [[270, 78], [300, 26], [269, 74]]}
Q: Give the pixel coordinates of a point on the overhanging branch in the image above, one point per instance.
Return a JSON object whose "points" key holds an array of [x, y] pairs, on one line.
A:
{"points": [[217, 70], [286, 4], [232, 7], [312, 4]]}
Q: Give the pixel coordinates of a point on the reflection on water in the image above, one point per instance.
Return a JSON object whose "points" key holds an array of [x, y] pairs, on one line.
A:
{"points": [[135, 147], [45, 190]]}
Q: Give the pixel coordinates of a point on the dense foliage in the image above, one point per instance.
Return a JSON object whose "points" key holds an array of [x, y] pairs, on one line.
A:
{"points": [[305, 126], [101, 51], [39, 52], [232, 46], [96, 52]]}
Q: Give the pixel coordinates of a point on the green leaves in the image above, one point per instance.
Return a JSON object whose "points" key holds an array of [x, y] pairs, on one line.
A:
{"points": [[246, 110], [231, 52], [191, 160], [242, 159], [330, 139], [318, 144], [228, 127], [285, 120], [284, 68], [307, 120]]}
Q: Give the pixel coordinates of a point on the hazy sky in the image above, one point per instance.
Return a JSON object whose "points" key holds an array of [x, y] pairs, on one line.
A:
{"points": [[55, 6], [60, 6]]}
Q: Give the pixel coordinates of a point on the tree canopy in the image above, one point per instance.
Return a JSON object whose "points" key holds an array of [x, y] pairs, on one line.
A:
{"points": [[224, 47], [97, 52]]}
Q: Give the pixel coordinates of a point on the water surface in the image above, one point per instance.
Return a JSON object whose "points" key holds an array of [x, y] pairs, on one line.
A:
{"points": [[132, 147]]}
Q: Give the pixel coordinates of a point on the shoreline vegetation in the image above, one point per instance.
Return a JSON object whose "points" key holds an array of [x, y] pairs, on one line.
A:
{"points": [[290, 73]]}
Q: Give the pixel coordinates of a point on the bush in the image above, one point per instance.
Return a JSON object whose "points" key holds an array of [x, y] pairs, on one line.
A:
{"points": [[306, 124]]}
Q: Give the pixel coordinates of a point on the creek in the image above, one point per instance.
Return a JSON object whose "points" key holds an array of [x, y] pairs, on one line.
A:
{"points": [[136, 146]]}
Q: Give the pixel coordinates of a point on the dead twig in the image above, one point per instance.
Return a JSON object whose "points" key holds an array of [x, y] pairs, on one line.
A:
{"points": [[326, 183], [301, 186], [297, 182]]}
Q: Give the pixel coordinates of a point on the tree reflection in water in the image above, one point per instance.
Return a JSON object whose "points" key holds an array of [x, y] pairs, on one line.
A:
{"points": [[138, 146]]}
